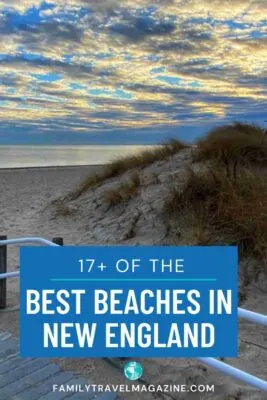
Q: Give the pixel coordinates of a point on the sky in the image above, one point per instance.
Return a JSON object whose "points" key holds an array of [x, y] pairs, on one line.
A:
{"points": [[129, 71]]}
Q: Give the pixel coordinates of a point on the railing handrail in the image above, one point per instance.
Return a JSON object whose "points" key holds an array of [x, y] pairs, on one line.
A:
{"points": [[211, 362], [252, 316], [235, 373], [20, 241], [28, 240]]}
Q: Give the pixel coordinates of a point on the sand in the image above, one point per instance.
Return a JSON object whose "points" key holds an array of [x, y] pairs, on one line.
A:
{"points": [[25, 199]]}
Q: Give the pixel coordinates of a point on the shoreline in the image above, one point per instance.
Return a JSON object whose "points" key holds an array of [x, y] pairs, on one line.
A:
{"points": [[50, 167]]}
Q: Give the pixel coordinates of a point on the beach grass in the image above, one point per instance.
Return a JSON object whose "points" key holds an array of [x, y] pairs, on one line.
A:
{"points": [[234, 145], [124, 191], [224, 197], [225, 210], [120, 165]]}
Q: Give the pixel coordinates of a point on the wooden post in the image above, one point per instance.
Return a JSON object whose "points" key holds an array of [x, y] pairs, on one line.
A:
{"points": [[3, 269], [58, 240]]}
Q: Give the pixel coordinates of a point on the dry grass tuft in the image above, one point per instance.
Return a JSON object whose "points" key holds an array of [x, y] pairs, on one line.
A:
{"points": [[92, 180], [234, 145], [124, 191], [231, 209], [145, 157], [121, 165], [62, 209]]}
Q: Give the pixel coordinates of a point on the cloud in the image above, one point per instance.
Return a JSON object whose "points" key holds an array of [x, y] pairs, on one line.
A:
{"points": [[138, 27]]}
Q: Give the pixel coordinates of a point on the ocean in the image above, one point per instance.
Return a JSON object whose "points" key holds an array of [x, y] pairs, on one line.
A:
{"points": [[14, 156]]}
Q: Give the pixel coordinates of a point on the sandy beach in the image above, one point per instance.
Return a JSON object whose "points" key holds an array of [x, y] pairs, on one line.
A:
{"points": [[25, 199]]}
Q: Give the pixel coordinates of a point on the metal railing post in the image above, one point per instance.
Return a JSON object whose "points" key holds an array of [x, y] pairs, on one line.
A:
{"points": [[3, 270], [58, 240]]}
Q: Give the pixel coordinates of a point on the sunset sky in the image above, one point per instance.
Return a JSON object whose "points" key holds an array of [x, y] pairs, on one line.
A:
{"points": [[130, 71]]}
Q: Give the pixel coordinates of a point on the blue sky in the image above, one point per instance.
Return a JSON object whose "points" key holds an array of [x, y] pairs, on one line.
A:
{"points": [[84, 71]]}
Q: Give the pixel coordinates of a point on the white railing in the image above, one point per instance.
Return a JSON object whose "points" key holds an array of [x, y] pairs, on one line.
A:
{"points": [[21, 241], [211, 362]]}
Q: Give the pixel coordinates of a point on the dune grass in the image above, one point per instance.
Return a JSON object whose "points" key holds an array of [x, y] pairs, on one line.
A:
{"points": [[233, 211], [121, 165], [124, 191], [225, 201], [62, 209], [233, 146]]}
